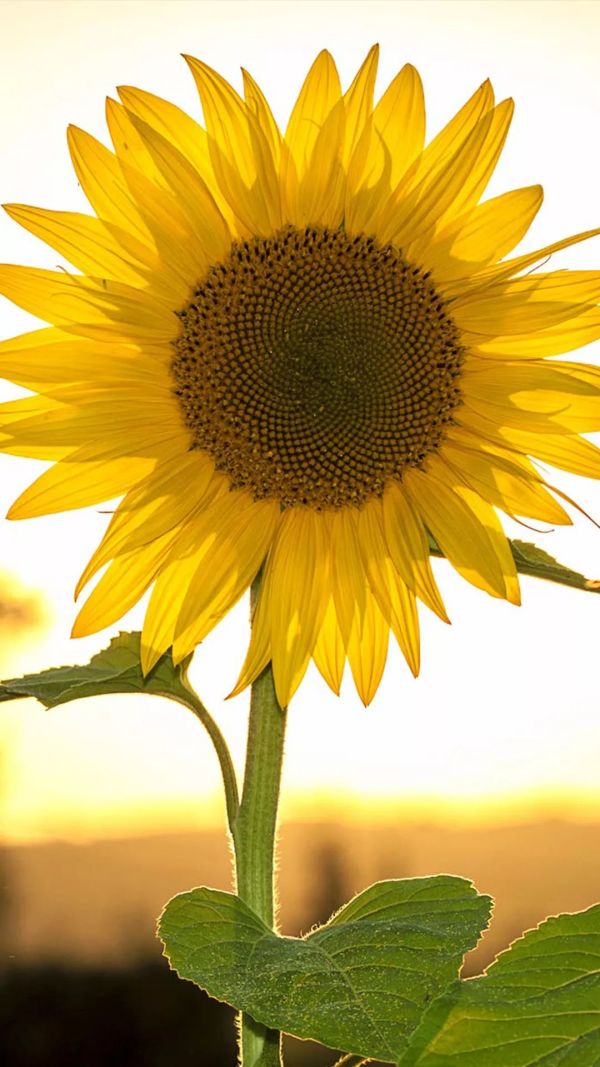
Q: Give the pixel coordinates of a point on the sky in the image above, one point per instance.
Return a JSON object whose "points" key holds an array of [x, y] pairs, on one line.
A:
{"points": [[504, 719]]}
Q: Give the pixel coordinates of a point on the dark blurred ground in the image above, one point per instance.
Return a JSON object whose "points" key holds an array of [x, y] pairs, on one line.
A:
{"points": [[51, 1016], [82, 981], [139, 1017]]}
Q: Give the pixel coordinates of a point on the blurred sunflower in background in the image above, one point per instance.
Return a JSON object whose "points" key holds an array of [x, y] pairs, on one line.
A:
{"points": [[303, 351]]}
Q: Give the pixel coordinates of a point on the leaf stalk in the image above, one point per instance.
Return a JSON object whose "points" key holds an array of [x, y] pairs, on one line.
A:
{"points": [[190, 699]]}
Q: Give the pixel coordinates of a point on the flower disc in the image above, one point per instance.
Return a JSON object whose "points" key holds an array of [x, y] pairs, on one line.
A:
{"points": [[314, 367]]}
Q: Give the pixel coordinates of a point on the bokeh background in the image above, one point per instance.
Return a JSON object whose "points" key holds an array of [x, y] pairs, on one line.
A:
{"points": [[486, 766]]}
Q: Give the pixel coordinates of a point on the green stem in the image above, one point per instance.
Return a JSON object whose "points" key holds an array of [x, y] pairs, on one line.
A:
{"points": [[254, 838]]}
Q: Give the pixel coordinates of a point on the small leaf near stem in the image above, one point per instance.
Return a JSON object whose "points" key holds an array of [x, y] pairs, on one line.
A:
{"points": [[118, 669], [254, 834], [535, 562]]}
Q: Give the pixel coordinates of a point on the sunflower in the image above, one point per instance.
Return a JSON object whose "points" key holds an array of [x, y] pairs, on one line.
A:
{"points": [[302, 352]]}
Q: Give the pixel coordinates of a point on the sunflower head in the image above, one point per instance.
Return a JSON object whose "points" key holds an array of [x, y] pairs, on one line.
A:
{"points": [[301, 355], [304, 351]]}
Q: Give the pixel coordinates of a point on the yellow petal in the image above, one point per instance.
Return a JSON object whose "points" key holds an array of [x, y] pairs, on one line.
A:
{"points": [[367, 649], [526, 304], [102, 181], [169, 593], [121, 586], [47, 358], [529, 395], [205, 221], [479, 283], [395, 600], [318, 96], [69, 426], [297, 567], [88, 243], [259, 107], [485, 234], [572, 454], [74, 300], [456, 132], [167, 498], [358, 102], [348, 578], [239, 152], [171, 122], [52, 453], [399, 120], [28, 407], [244, 531], [484, 164], [212, 562], [328, 652], [412, 212], [128, 145], [505, 486], [553, 341], [180, 130], [320, 192], [183, 257], [409, 549], [367, 187], [460, 523], [70, 484], [259, 650]]}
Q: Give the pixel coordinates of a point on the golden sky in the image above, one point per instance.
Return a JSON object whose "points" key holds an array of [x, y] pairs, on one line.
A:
{"points": [[506, 711]]}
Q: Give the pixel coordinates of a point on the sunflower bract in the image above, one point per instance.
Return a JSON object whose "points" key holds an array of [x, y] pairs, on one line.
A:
{"points": [[300, 351]]}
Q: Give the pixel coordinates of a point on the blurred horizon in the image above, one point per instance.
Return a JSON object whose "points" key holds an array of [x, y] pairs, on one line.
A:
{"points": [[67, 775], [350, 809], [95, 903]]}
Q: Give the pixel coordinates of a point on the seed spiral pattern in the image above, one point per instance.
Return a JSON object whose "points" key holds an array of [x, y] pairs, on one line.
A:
{"points": [[315, 367]]}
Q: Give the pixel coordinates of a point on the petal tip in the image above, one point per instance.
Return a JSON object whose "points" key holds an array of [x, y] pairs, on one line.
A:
{"points": [[149, 657], [18, 511], [77, 630]]}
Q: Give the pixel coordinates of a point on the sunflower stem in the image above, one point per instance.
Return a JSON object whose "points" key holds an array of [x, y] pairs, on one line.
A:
{"points": [[254, 838]]}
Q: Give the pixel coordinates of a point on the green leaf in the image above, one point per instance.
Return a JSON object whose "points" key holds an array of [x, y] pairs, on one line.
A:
{"points": [[360, 983], [116, 669], [539, 1004], [536, 563]]}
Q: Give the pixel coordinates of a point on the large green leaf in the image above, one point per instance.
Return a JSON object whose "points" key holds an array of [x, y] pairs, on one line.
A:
{"points": [[116, 669], [361, 982], [538, 1005]]}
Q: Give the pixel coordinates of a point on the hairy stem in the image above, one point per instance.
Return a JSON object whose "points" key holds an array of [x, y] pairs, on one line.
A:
{"points": [[254, 838]]}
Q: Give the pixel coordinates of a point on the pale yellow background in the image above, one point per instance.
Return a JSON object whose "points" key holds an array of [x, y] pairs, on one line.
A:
{"points": [[506, 711]]}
